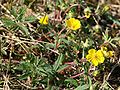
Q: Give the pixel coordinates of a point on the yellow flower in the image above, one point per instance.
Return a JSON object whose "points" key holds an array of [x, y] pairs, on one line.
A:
{"points": [[73, 23], [44, 20], [87, 12], [104, 48], [110, 54], [106, 53], [96, 57]]}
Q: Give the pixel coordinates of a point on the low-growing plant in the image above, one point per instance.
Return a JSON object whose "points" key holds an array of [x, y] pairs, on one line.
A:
{"points": [[58, 45]]}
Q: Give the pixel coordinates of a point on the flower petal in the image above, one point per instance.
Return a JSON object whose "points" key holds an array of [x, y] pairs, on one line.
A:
{"points": [[44, 20], [92, 51], [94, 62], [88, 57], [101, 59], [99, 53], [73, 23], [77, 25], [110, 53]]}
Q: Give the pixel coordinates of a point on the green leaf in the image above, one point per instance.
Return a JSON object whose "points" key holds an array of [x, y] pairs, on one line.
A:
{"points": [[24, 66], [21, 13], [24, 76], [8, 22], [90, 83], [3, 52], [58, 62], [113, 45], [114, 20], [83, 87], [116, 39], [50, 45], [13, 12], [62, 67], [65, 41], [42, 71], [30, 19], [72, 81], [23, 28]]}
